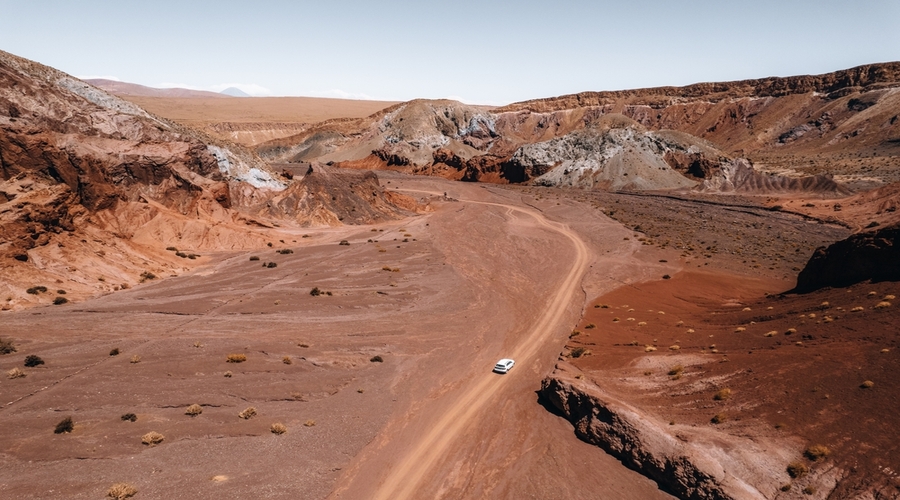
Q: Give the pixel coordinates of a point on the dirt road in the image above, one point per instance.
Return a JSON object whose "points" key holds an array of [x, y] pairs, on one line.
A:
{"points": [[405, 477]]}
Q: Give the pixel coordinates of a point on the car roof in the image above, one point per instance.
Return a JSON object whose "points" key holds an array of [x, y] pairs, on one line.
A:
{"points": [[505, 361]]}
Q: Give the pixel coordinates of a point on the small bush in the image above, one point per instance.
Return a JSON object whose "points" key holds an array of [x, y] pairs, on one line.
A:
{"points": [[152, 438], [676, 370], [649, 348], [254, 258], [228, 375], [248, 413], [315, 292], [577, 352], [817, 452], [6, 346], [15, 373], [797, 469], [771, 334], [181, 254], [590, 326], [278, 428], [285, 251], [785, 487], [147, 275], [129, 417], [287, 360], [723, 394], [64, 426], [193, 410], [58, 301], [271, 265], [121, 491], [114, 351], [719, 418], [135, 359], [36, 290], [32, 360], [889, 297], [868, 384], [344, 243], [882, 305], [172, 249], [61, 292], [310, 423], [377, 359], [809, 490], [236, 358], [674, 347]]}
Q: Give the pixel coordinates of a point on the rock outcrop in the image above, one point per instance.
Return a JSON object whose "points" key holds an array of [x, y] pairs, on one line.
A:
{"points": [[689, 462], [871, 255]]}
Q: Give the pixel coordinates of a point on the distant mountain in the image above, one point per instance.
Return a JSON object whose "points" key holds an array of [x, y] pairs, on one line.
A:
{"points": [[235, 92], [133, 89]]}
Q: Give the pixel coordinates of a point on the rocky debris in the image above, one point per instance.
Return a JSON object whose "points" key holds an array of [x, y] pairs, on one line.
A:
{"points": [[626, 158], [689, 462], [871, 255], [739, 176]]}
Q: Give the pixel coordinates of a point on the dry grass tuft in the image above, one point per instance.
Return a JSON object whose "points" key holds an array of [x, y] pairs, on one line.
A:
{"points": [[882, 305], [689, 330], [642, 323], [15, 373], [590, 326], [310, 423], [857, 309], [193, 410], [676, 370], [868, 384], [248, 413], [152, 438], [723, 394], [577, 352], [790, 331], [236, 358], [889, 297], [739, 329], [809, 490], [771, 334], [121, 491], [228, 374], [885, 351], [64, 426], [278, 428], [746, 309], [797, 469], [674, 347], [649, 348], [817, 452], [135, 359], [287, 360], [6, 347], [872, 294]]}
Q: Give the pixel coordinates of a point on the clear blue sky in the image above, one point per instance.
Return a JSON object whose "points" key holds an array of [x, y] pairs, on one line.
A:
{"points": [[484, 51]]}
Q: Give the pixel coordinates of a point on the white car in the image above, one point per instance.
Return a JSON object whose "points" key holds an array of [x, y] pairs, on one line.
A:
{"points": [[504, 365]]}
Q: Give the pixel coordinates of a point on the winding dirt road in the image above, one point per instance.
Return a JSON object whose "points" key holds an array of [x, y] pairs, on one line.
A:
{"points": [[404, 479]]}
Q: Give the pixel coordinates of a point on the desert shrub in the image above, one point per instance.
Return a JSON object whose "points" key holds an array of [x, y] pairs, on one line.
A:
{"points": [[857, 309], [271, 265], [64, 426], [32, 360], [872, 294], [882, 305], [15, 373], [809, 490], [58, 301], [395, 270], [739, 329], [344, 243], [719, 418], [315, 292], [868, 384], [310, 423], [248, 413], [36, 290], [786, 487], [152, 438], [254, 257], [817, 452], [114, 351], [666, 277], [147, 275], [790, 331], [376, 359], [287, 360], [771, 334], [676, 370], [328, 294], [228, 374], [129, 417], [386, 268], [574, 334], [121, 491], [285, 251], [135, 359], [590, 326], [889, 297], [649, 348], [6, 346], [278, 428], [577, 352], [236, 358], [172, 249], [723, 394], [797, 469], [193, 410], [181, 254], [674, 347]]}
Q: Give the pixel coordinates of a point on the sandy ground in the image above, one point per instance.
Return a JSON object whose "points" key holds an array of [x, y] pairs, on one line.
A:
{"points": [[466, 285]]}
